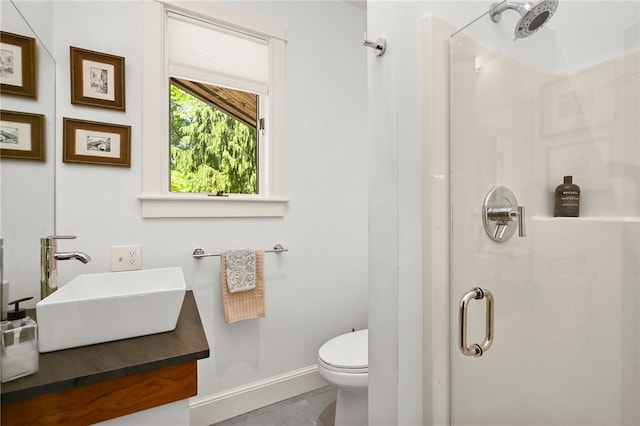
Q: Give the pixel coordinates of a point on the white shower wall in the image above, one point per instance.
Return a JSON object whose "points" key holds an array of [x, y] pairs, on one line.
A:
{"points": [[413, 95], [567, 294]]}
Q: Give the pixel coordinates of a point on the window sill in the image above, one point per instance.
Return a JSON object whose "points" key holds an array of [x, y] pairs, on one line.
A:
{"points": [[200, 205]]}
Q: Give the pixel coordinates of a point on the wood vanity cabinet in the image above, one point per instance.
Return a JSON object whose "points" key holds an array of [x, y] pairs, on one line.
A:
{"points": [[87, 385]]}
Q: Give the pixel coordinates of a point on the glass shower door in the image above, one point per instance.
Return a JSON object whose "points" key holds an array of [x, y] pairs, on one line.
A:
{"points": [[565, 344]]}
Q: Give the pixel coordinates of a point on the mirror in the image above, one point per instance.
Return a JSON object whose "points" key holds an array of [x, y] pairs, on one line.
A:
{"points": [[27, 186]]}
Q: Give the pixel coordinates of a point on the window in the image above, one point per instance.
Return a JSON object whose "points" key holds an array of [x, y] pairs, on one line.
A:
{"points": [[213, 136], [213, 93]]}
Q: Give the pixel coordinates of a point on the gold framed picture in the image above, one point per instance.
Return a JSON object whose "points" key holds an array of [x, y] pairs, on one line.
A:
{"points": [[97, 79], [18, 65], [92, 142], [22, 136]]}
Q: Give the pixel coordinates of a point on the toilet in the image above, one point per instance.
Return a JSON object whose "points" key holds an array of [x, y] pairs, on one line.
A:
{"points": [[343, 362]]}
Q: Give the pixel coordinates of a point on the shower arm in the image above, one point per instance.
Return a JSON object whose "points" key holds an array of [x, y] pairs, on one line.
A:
{"points": [[496, 9]]}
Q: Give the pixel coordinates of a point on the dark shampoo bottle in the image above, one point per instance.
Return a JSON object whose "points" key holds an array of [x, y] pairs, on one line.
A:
{"points": [[567, 199]]}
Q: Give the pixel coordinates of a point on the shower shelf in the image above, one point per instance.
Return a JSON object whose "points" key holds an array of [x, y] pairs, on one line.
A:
{"points": [[628, 219]]}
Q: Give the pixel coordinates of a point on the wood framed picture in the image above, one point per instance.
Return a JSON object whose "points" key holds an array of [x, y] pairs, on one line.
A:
{"points": [[92, 142], [97, 79], [22, 136], [18, 65]]}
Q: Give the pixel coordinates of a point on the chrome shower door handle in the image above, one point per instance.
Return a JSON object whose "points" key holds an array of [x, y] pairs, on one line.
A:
{"points": [[476, 349]]}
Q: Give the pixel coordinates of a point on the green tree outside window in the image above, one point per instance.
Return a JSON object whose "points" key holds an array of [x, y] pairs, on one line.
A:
{"points": [[211, 151]]}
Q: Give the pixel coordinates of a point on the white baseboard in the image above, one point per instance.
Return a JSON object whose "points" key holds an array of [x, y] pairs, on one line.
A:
{"points": [[224, 405]]}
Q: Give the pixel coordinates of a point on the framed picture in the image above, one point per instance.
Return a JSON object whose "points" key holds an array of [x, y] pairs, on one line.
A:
{"points": [[18, 65], [91, 142], [22, 136], [97, 79]]}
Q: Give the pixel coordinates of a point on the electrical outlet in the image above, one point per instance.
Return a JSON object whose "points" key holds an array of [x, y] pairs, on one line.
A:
{"points": [[126, 258]]}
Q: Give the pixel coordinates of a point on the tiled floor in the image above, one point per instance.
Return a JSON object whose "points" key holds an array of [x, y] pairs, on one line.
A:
{"points": [[315, 408]]}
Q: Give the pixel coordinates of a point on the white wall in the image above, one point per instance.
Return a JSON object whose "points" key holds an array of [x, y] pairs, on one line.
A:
{"points": [[316, 290], [395, 214]]}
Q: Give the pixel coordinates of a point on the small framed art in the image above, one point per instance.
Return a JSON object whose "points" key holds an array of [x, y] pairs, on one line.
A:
{"points": [[22, 136], [18, 65], [97, 79], [92, 142]]}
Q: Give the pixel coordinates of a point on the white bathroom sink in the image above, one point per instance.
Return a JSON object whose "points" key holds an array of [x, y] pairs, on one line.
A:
{"points": [[98, 308]]}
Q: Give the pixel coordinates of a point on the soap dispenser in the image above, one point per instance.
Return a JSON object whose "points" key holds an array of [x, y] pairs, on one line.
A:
{"points": [[19, 343]]}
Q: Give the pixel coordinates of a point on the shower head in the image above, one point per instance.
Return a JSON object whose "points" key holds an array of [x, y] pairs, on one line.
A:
{"points": [[534, 15]]}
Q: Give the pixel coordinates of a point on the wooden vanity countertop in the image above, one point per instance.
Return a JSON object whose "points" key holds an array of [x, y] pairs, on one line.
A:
{"points": [[72, 368]]}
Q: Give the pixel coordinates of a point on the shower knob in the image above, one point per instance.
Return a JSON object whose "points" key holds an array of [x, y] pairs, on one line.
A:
{"points": [[501, 214]]}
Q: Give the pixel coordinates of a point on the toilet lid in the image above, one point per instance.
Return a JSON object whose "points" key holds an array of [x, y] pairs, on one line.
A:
{"points": [[349, 351]]}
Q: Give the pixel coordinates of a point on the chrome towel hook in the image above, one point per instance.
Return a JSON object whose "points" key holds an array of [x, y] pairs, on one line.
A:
{"points": [[378, 46]]}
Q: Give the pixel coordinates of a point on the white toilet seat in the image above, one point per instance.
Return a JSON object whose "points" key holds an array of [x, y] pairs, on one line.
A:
{"points": [[363, 370], [347, 353]]}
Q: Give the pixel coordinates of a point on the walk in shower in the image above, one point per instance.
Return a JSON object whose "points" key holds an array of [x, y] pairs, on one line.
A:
{"points": [[565, 101]]}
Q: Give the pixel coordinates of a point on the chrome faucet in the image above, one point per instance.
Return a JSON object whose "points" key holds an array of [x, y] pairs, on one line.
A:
{"points": [[49, 256]]}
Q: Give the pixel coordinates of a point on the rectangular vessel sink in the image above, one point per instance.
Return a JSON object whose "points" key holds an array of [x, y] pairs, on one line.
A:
{"points": [[98, 308]]}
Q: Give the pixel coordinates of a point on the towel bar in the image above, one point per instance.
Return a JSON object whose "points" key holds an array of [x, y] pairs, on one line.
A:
{"points": [[198, 253]]}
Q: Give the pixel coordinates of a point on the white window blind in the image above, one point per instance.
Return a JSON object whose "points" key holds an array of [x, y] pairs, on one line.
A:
{"points": [[207, 53]]}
